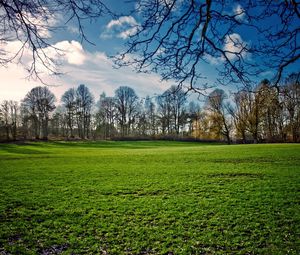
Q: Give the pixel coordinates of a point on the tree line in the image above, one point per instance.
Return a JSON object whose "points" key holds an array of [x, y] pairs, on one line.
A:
{"points": [[265, 113]]}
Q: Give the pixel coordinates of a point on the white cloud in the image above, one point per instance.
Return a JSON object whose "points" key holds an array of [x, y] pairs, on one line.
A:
{"points": [[127, 33], [122, 28], [213, 60], [51, 57], [121, 21], [99, 74], [43, 21], [46, 59], [14, 82], [239, 12], [92, 69], [72, 52], [73, 30], [233, 45], [16, 49]]}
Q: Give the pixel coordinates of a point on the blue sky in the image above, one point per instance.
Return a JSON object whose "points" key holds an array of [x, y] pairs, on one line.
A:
{"points": [[86, 63], [89, 64]]}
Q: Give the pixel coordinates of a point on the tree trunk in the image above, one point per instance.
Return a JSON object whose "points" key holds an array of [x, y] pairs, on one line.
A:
{"points": [[255, 138], [14, 131], [45, 129], [7, 131], [228, 138]]}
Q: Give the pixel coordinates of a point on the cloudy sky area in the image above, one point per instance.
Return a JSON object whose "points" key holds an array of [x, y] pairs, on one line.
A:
{"points": [[89, 64], [83, 63]]}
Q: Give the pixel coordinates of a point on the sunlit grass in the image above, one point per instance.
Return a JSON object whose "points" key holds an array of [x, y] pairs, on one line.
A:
{"points": [[149, 198]]}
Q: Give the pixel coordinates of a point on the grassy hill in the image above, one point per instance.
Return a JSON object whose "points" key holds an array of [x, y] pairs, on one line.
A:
{"points": [[149, 198]]}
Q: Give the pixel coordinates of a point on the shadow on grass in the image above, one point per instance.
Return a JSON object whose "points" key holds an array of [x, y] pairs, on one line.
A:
{"points": [[33, 149], [236, 175], [123, 144]]}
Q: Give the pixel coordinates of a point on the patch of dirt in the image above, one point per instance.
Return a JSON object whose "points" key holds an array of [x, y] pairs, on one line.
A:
{"points": [[54, 249], [4, 252]]}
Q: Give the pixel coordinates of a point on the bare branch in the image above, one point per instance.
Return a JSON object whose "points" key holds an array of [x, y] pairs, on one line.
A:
{"points": [[175, 38]]}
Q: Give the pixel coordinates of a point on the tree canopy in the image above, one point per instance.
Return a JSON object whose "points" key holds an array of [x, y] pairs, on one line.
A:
{"points": [[175, 37]]}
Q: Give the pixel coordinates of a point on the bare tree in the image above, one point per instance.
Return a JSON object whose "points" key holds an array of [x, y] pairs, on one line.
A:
{"points": [[240, 113], [193, 116], [217, 105], [30, 22], [164, 112], [14, 112], [106, 115], [150, 113], [270, 111], [171, 108], [59, 123], [39, 102], [126, 102], [31, 126], [291, 101], [9, 118], [69, 102], [178, 101], [84, 103], [256, 112], [255, 102], [174, 38], [4, 116], [142, 123]]}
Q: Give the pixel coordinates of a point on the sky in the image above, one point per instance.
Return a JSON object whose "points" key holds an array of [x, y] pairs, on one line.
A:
{"points": [[90, 64], [83, 62]]}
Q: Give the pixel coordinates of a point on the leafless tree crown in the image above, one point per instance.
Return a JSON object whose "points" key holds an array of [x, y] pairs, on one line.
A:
{"points": [[30, 22], [175, 37]]}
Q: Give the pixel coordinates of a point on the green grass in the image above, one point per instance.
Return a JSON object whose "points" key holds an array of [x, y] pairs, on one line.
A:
{"points": [[149, 198]]}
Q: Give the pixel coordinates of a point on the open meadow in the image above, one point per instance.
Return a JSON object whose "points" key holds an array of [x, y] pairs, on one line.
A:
{"points": [[149, 197]]}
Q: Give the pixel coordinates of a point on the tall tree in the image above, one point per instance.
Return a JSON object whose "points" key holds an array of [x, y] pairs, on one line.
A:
{"points": [[14, 111], [5, 117], [59, 125], [270, 111], [150, 113], [141, 127], [164, 112], [240, 113], [126, 103], [39, 103], [178, 101], [291, 101], [217, 105], [69, 102], [106, 115], [193, 116], [171, 108], [84, 103]]}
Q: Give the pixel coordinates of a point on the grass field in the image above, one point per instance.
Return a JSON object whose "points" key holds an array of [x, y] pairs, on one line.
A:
{"points": [[149, 198]]}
